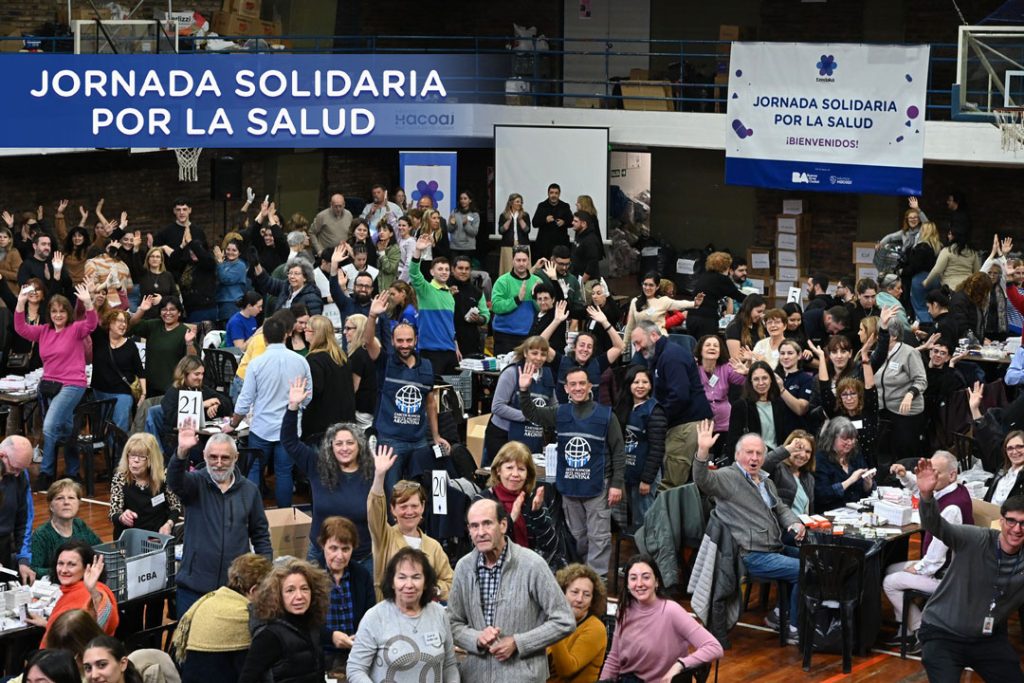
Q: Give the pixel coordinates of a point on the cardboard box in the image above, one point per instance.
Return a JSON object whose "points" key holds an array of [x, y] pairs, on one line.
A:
{"points": [[289, 531], [793, 207], [659, 91], [790, 241], [787, 259], [475, 428], [759, 260], [245, 8], [796, 224], [867, 271], [232, 24], [864, 252], [787, 274]]}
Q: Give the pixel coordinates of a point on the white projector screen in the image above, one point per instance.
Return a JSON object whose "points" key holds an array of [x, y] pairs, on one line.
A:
{"points": [[529, 158]]}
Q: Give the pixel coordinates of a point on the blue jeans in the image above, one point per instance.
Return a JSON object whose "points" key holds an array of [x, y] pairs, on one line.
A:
{"points": [[134, 298], [57, 425], [122, 408], [226, 309], [185, 598], [917, 294], [784, 566], [638, 504], [201, 316], [236, 388], [405, 452], [282, 468], [155, 425]]}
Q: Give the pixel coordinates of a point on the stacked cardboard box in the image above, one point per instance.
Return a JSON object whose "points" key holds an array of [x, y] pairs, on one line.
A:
{"points": [[242, 18], [792, 249], [864, 260]]}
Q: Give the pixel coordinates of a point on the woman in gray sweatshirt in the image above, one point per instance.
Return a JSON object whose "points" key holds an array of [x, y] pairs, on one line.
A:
{"points": [[901, 379]]}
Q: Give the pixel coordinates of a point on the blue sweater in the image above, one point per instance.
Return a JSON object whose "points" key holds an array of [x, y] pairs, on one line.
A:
{"points": [[232, 282], [347, 500], [677, 386]]}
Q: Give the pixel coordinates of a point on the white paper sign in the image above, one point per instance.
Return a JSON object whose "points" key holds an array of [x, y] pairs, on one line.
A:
{"points": [[439, 491], [788, 275], [647, 252], [794, 295], [685, 266], [792, 206], [146, 574], [832, 287], [786, 224], [787, 259], [756, 283], [760, 260], [864, 255], [190, 407], [784, 240], [333, 314], [782, 289], [867, 271]]}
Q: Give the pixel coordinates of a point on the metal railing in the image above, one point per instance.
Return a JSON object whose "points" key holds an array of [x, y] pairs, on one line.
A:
{"points": [[693, 74]]}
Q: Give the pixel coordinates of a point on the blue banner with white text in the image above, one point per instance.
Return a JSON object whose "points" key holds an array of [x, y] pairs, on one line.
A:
{"points": [[246, 100]]}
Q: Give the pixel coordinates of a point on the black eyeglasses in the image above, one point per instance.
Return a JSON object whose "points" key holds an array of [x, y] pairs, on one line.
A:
{"points": [[1012, 522]]}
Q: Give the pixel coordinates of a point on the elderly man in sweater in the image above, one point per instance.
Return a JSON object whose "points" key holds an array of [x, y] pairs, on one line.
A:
{"points": [[750, 507], [505, 606]]}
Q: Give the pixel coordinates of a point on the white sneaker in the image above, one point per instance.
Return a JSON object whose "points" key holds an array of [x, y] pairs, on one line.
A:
{"points": [[37, 455]]}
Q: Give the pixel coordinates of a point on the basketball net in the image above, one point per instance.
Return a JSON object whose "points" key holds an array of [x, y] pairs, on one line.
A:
{"points": [[188, 163], [1011, 124]]}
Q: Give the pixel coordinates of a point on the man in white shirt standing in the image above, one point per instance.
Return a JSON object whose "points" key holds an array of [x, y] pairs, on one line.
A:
{"points": [[924, 574], [378, 210]]}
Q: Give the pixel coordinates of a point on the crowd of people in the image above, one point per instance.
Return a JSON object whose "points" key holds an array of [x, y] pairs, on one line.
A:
{"points": [[344, 325]]}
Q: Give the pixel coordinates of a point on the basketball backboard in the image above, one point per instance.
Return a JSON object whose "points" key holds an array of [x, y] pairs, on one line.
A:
{"points": [[990, 72]]}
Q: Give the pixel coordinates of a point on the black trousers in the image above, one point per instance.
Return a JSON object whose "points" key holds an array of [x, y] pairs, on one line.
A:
{"points": [[504, 342], [443, 362], [945, 656]]}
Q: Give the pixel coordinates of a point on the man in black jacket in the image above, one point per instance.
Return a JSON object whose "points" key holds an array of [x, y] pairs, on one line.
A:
{"points": [[471, 312], [16, 510], [552, 219], [46, 265], [178, 235], [589, 250]]}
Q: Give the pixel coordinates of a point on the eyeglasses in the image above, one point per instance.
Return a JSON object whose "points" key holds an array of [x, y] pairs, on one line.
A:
{"points": [[1012, 522], [349, 328], [1014, 448], [138, 458], [848, 394]]}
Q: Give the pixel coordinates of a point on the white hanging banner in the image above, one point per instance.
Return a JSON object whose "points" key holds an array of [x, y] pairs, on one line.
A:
{"points": [[827, 117]]}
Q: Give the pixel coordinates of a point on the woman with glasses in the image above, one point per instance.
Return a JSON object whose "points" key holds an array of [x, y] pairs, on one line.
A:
{"points": [[115, 366], [1009, 481], [139, 498], [408, 500], [188, 376], [167, 341], [340, 472], [851, 398], [649, 306], [156, 280], [64, 499], [841, 474], [768, 348]]}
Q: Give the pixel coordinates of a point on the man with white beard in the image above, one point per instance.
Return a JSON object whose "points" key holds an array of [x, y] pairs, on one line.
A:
{"points": [[223, 515]]}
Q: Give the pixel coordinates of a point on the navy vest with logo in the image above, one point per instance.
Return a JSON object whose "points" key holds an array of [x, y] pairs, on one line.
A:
{"points": [[592, 366], [402, 414], [637, 446], [527, 432], [581, 451]]}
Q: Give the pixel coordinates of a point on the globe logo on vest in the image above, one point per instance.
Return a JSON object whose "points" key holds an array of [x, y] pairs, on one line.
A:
{"points": [[577, 452], [408, 399], [540, 401], [631, 441]]}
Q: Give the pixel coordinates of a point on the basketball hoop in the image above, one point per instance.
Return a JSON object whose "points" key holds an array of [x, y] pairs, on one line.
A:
{"points": [[188, 163], [1011, 122]]}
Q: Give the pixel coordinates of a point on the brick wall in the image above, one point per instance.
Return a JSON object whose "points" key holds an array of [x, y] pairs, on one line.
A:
{"points": [[824, 22]]}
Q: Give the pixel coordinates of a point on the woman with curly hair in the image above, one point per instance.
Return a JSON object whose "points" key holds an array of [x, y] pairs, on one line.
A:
{"points": [[340, 473], [407, 636], [578, 657], [292, 602]]}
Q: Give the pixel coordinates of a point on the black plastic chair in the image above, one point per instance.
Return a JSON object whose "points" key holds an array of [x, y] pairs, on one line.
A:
{"points": [[221, 366], [89, 435], [909, 595], [965, 448], [833, 573]]}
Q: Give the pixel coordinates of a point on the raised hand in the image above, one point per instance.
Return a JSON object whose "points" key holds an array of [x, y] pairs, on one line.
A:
{"points": [[887, 314], [379, 305], [738, 366], [40, 212], [597, 315], [424, 242], [61, 206], [93, 572], [250, 196], [124, 220], [58, 260], [706, 436], [188, 438], [297, 393], [83, 294], [84, 213], [338, 255], [562, 311], [383, 459], [1006, 246], [974, 396], [8, 219], [190, 334], [342, 278], [526, 374], [698, 300], [218, 255], [927, 477], [538, 499], [912, 202], [550, 270]]}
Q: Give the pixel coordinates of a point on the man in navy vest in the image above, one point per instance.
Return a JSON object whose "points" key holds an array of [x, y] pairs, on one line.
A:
{"points": [[591, 466], [407, 404], [924, 574]]}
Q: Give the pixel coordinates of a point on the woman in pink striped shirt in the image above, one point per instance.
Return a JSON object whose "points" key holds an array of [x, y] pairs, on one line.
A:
{"points": [[62, 349], [635, 656]]}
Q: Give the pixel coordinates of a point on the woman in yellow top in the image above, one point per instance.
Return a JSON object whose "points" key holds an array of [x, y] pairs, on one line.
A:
{"points": [[408, 501], [577, 658]]}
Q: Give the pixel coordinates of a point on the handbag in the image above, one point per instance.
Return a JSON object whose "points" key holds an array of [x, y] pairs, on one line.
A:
{"points": [[134, 386], [19, 361], [49, 388]]}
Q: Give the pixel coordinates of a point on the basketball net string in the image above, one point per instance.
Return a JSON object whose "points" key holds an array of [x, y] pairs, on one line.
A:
{"points": [[1011, 125], [188, 163]]}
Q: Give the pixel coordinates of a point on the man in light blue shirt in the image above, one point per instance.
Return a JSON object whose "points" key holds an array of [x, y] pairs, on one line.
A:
{"points": [[1015, 373], [265, 394]]}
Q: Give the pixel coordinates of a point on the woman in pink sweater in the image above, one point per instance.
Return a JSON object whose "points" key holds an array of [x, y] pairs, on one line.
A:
{"points": [[62, 350], [635, 656]]}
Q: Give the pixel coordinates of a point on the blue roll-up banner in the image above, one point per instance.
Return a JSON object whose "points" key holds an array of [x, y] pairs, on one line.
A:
{"points": [[430, 174], [827, 117], [239, 100]]}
